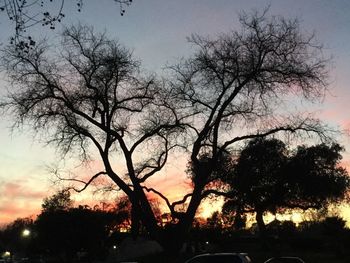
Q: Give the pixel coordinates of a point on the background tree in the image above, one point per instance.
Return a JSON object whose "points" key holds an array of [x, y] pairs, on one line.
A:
{"points": [[58, 202], [317, 176], [64, 233], [268, 178], [17, 241], [257, 179], [215, 221], [122, 209], [227, 92], [129, 218], [64, 230]]}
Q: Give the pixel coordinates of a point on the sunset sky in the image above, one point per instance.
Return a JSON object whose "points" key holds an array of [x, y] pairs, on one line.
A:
{"points": [[156, 31]]}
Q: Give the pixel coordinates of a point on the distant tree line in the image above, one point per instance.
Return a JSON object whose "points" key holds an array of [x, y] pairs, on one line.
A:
{"points": [[65, 233]]}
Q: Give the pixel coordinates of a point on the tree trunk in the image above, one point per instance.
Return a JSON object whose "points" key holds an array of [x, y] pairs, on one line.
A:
{"points": [[175, 235], [135, 222], [173, 238], [261, 224]]}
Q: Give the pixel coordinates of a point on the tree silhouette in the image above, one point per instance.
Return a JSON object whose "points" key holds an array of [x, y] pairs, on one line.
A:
{"points": [[267, 178], [91, 95], [257, 179], [94, 94], [59, 201], [234, 86], [317, 176], [14, 239], [30, 13], [64, 233]]}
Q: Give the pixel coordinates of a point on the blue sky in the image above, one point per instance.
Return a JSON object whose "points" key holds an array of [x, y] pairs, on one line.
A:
{"points": [[156, 31]]}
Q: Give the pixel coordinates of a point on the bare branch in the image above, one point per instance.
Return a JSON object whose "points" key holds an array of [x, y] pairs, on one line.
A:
{"points": [[307, 125], [85, 183], [148, 189], [31, 13], [182, 201]]}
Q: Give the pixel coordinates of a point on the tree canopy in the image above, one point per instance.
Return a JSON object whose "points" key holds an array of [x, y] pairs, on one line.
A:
{"points": [[267, 177], [58, 202], [91, 96], [64, 233], [318, 176]]}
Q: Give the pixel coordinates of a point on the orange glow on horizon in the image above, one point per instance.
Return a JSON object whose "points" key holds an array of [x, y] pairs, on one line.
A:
{"points": [[19, 199]]}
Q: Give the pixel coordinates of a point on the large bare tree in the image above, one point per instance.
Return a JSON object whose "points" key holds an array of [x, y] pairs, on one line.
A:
{"points": [[230, 90], [237, 86], [92, 94]]}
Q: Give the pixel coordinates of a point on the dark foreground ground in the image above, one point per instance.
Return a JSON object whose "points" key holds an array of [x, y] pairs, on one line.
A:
{"points": [[311, 250]]}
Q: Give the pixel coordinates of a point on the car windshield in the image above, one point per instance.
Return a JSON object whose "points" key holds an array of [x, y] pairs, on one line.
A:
{"points": [[217, 259]]}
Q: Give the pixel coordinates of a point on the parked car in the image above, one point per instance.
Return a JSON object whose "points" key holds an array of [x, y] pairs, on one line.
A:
{"points": [[220, 258], [285, 260]]}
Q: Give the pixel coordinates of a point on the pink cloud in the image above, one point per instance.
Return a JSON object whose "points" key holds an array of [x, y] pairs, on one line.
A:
{"points": [[19, 199], [15, 190], [345, 124], [15, 210]]}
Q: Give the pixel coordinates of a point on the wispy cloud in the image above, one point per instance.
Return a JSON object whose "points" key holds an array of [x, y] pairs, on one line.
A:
{"points": [[19, 199], [15, 190]]}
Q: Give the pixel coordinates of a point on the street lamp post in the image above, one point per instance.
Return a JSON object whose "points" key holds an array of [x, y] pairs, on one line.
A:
{"points": [[26, 235]]}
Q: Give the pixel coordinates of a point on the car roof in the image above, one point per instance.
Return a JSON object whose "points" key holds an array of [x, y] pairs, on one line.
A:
{"points": [[223, 253], [242, 256], [285, 259]]}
